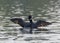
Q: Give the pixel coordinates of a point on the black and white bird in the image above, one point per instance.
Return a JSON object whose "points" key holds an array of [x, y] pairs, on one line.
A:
{"points": [[36, 24]]}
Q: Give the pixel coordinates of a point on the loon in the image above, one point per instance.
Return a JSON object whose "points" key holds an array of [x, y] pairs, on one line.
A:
{"points": [[30, 24], [37, 24]]}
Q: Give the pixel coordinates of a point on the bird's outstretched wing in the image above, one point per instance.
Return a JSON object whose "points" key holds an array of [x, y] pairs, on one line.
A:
{"points": [[40, 23], [22, 23], [19, 21]]}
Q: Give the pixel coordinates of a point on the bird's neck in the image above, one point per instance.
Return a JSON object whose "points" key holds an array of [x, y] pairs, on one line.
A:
{"points": [[30, 20]]}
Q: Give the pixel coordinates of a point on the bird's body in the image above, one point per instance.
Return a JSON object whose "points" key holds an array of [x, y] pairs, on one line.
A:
{"points": [[30, 24], [36, 24]]}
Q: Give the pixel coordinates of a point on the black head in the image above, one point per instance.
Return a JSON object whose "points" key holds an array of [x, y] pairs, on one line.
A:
{"points": [[29, 17]]}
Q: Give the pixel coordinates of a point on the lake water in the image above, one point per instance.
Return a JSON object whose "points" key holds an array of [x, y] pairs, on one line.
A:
{"points": [[10, 32]]}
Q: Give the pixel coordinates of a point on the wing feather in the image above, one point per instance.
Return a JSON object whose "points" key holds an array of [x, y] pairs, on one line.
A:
{"points": [[42, 23]]}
